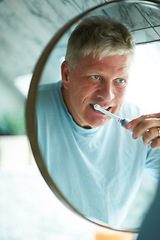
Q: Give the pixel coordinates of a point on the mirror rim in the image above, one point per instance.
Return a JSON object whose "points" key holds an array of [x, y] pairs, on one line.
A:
{"points": [[30, 110]]}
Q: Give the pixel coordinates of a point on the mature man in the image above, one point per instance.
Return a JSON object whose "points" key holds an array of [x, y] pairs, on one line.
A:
{"points": [[97, 165]]}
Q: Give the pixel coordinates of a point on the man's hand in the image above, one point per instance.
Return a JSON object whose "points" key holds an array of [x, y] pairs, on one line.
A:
{"points": [[148, 126]]}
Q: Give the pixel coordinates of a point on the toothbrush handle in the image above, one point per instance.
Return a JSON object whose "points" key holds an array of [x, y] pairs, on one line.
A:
{"points": [[124, 122]]}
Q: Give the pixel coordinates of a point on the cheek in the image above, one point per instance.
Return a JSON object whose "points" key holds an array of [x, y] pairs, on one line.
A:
{"points": [[81, 89], [120, 94], [87, 91], [79, 94]]}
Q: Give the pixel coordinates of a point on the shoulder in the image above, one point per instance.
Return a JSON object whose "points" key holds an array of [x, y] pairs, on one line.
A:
{"points": [[48, 92], [49, 87]]}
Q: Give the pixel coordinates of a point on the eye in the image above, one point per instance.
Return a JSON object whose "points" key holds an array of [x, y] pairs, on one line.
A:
{"points": [[95, 77], [120, 82]]}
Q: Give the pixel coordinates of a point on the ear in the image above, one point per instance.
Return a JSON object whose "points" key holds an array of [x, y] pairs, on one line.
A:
{"points": [[65, 71]]}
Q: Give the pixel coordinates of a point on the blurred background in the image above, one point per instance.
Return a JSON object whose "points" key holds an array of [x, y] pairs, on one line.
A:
{"points": [[28, 208]]}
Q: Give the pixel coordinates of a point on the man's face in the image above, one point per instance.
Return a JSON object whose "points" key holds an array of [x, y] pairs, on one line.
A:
{"points": [[95, 81]]}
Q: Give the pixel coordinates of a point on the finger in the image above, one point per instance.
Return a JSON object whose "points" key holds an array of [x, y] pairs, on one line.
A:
{"points": [[150, 135], [133, 123], [145, 125], [153, 115], [155, 143]]}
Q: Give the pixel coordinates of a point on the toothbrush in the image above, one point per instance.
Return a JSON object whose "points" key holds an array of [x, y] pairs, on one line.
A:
{"points": [[115, 117], [122, 121]]}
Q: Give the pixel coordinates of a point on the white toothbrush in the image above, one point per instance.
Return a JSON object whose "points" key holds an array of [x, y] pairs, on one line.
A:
{"points": [[122, 121]]}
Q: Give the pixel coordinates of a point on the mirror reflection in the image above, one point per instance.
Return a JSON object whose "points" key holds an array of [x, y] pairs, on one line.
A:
{"points": [[99, 166]]}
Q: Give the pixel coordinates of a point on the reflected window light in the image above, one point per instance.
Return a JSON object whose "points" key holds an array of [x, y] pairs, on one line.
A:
{"points": [[144, 82]]}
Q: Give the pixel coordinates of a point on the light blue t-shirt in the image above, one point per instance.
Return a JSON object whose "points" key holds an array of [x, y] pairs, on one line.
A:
{"points": [[98, 170]]}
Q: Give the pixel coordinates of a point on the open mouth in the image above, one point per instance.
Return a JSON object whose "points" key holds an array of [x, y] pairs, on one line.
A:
{"points": [[108, 109], [105, 108]]}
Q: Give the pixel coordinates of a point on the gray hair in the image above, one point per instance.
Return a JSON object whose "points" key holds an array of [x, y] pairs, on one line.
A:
{"points": [[100, 36]]}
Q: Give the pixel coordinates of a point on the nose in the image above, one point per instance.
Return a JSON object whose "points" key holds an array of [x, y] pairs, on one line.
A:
{"points": [[106, 92]]}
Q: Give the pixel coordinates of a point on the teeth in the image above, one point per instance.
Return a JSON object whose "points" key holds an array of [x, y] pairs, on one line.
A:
{"points": [[106, 108]]}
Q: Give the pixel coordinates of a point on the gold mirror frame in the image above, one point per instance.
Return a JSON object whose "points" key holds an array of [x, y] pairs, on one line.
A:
{"points": [[31, 105]]}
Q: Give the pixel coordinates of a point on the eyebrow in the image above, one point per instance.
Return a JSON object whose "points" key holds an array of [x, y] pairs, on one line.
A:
{"points": [[92, 70]]}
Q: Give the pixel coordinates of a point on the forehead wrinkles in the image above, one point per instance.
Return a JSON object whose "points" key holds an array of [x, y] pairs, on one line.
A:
{"points": [[124, 67], [124, 70], [90, 64], [108, 68]]}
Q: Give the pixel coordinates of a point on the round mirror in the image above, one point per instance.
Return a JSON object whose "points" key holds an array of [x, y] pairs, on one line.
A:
{"points": [[99, 171]]}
